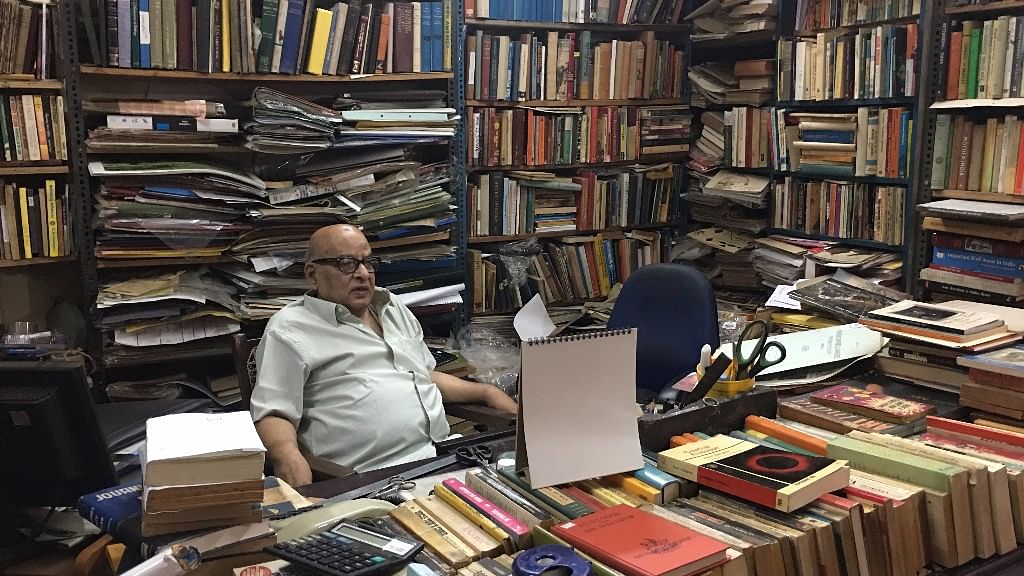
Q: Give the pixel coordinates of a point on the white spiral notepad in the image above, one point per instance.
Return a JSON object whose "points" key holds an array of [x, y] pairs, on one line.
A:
{"points": [[578, 407]]}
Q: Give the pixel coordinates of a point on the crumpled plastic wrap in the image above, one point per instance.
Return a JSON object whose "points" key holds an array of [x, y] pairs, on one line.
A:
{"points": [[495, 358], [730, 324], [516, 257]]}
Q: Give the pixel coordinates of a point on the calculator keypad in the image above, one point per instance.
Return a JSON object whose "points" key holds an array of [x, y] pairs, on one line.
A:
{"points": [[329, 553]]}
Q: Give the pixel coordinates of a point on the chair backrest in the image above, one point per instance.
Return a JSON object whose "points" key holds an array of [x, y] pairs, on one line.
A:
{"points": [[673, 307], [243, 350]]}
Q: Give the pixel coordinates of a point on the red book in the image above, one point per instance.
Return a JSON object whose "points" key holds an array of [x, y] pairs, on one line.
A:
{"points": [[953, 75], [872, 404], [980, 245], [637, 542]]}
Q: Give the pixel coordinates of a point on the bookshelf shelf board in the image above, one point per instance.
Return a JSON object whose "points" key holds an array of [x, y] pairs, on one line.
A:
{"points": [[7, 169], [980, 196], [513, 311], [748, 170], [863, 179], [561, 233], [873, 244], [101, 71], [148, 262], [484, 23], [900, 20], [736, 41], [978, 103], [846, 102], [580, 165], [164, 149], [576, 103], [982, 8], [34, 261], [27, 82]]}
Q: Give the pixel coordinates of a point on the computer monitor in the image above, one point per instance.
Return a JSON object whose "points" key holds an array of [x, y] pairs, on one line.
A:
{"points": [[52, 449]]}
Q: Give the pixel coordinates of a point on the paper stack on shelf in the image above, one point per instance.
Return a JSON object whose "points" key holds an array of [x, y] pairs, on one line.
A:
{"points": [[718, 19], [717, 83], [778, 261]]}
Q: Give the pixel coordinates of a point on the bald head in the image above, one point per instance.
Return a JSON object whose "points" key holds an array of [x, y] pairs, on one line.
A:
{"points": [[354, 289]]}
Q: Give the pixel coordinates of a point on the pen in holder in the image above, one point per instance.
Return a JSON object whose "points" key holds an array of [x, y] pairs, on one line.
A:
{"points": [[726, 386]]}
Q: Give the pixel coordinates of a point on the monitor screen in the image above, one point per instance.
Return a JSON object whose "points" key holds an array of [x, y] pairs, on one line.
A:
{"points": [[51, 444]]}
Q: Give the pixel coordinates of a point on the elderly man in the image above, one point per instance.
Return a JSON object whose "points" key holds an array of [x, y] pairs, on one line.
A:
{"points": [[344, 371]]}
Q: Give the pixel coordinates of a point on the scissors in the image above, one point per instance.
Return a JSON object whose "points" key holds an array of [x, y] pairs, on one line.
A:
{"points": [[476, 455], [395, 485], [749, 365]]}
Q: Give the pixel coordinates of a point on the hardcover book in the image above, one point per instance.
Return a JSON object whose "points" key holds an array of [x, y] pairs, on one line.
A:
{"points": [[1008, 361], [770, 477], [872, 404], [638, 542]]}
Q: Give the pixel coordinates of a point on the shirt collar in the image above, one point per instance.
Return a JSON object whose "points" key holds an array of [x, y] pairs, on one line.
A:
{"points": [[330, 311]]}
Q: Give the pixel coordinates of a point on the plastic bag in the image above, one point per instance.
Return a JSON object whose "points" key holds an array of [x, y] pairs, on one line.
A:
{"points": [[495, 358], [730, 324]]}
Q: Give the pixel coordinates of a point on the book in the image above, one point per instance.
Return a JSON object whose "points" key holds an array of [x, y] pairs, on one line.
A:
{"points": [[937, 318], [1007, 361], [872, 404], [774, 478], [187, 449], [637, 542]]}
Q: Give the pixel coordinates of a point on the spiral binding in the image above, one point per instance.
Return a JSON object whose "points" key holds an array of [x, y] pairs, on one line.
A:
{"points": [[578, 337]]}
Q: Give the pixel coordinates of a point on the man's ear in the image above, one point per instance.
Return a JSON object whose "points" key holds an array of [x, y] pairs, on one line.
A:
{"points": [[310, 272]]}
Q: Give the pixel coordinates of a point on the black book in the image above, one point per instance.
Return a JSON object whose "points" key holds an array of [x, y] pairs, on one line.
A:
{"points": [[34, 223], [348, 36], [372, 39], [202, 29]]}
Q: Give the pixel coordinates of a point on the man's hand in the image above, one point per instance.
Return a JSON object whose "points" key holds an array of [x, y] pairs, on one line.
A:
{"points": [[500, 401], [293, 469]]}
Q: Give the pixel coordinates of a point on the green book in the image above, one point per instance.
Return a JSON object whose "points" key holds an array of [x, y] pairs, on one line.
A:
{"points": [[268, 29], [542, 536], [972, 68], [552, 499], [896, 464]]}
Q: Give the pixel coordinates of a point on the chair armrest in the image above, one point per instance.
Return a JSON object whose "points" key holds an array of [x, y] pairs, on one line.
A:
{"points": [[324, 469], [481, 414]]}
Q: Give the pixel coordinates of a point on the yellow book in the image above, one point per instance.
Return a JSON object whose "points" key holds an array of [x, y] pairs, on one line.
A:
{"points": [[26, 237], [471, 514], [318, 43], [51, 217], [636, 487], [606, 495], [225, 36], [602, 268]]}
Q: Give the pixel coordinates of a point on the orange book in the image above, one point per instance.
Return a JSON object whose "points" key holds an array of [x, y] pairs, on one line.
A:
{"points": [[787, 434], [956, 40], [621, 537], [691, 437], [380, 65]]}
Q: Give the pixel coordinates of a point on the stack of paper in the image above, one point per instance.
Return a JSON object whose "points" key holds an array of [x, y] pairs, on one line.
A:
{"points": [[717, 19], [707, 154], [716, 83], [778, 261]]}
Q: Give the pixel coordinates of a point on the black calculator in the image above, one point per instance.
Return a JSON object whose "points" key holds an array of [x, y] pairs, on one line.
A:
{"points": [[348, 549]]}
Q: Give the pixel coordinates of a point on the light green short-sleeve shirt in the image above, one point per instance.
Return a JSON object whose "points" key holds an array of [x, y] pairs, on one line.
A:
{"points": [[355, 398]]}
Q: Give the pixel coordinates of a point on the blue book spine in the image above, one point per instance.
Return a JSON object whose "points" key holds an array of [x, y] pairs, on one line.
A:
{"points": [[977, 262], [505, 228], [586, 62], [836, 136], [519, 9], [427, 30], [531, 88], [437, 46], [655, 477], [513, 60], [144, 43], [330, 42], [116, 511], [292, 31], [609, 260], [904, 142]]}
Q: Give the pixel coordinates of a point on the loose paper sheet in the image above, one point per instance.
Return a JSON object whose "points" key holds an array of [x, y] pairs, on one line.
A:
{"points": [[780, 298], [532, 320]]}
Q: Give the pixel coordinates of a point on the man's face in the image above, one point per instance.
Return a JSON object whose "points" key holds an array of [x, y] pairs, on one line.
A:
{"points": [[354, 290]]}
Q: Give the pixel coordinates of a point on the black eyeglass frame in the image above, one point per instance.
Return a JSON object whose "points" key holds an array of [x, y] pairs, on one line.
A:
{"points": [[372, 263]]}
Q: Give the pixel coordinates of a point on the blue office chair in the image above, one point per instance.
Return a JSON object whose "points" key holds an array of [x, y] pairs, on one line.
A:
{"points": [[673, 307]]}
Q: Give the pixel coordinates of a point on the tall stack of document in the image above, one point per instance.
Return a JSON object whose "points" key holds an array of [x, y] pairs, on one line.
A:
{"points": [[717, 83], [201, 471], [715, 20]]}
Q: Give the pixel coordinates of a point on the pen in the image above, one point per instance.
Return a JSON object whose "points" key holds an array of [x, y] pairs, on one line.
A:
{"points": [[705, 356]]}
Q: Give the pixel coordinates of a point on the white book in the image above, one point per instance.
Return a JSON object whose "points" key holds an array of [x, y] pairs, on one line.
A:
{"points": [[858, 71], [28, 128], [201, 442], [997, 60], [417, 35], [523, 83], [613, 77], [984, 59], [340, 16], [800, 67], [282, 16]]}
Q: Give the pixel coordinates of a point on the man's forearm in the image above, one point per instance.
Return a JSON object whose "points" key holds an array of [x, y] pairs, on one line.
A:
{"points": [[278, 436], [459, 391]]}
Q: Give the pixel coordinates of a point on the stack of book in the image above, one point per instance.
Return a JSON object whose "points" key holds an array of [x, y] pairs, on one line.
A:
{"points": [[980, 156], [279, 36], [846, 407], [979, 246], [881, 265], [718, 83], [715, 20], [571, 67], [665, 130], [983, 58], [996, 382], [527, 202], [201, 471], [613, 12], [870, 63], [35, 223], [840, 209], [942, 325], [708, 152], [873, 142]]}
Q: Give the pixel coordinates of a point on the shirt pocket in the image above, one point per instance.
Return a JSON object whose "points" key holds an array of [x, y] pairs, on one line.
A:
{"points": [[411, 356]]}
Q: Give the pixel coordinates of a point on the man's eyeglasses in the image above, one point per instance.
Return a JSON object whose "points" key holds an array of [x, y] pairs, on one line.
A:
{"points": [[349, 264]]}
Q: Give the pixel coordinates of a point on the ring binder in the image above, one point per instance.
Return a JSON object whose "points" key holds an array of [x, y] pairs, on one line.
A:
{"points": [[578, 337]]}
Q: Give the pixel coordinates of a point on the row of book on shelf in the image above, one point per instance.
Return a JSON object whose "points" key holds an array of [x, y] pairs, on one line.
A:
{"points": [[567, 271], [571, 67], [593, 134], [32, 127], [524, 203], [876, 62], [981, 155], [840, 209], [819, 14], [578, 11], [35, 222], [872, 142], [982, 58], [272, 36], [26, 38]]}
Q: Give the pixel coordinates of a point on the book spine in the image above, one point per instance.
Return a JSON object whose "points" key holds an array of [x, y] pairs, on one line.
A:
{"points": [[548, 496], [501, 518], [975, 262], [480, 519]]}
